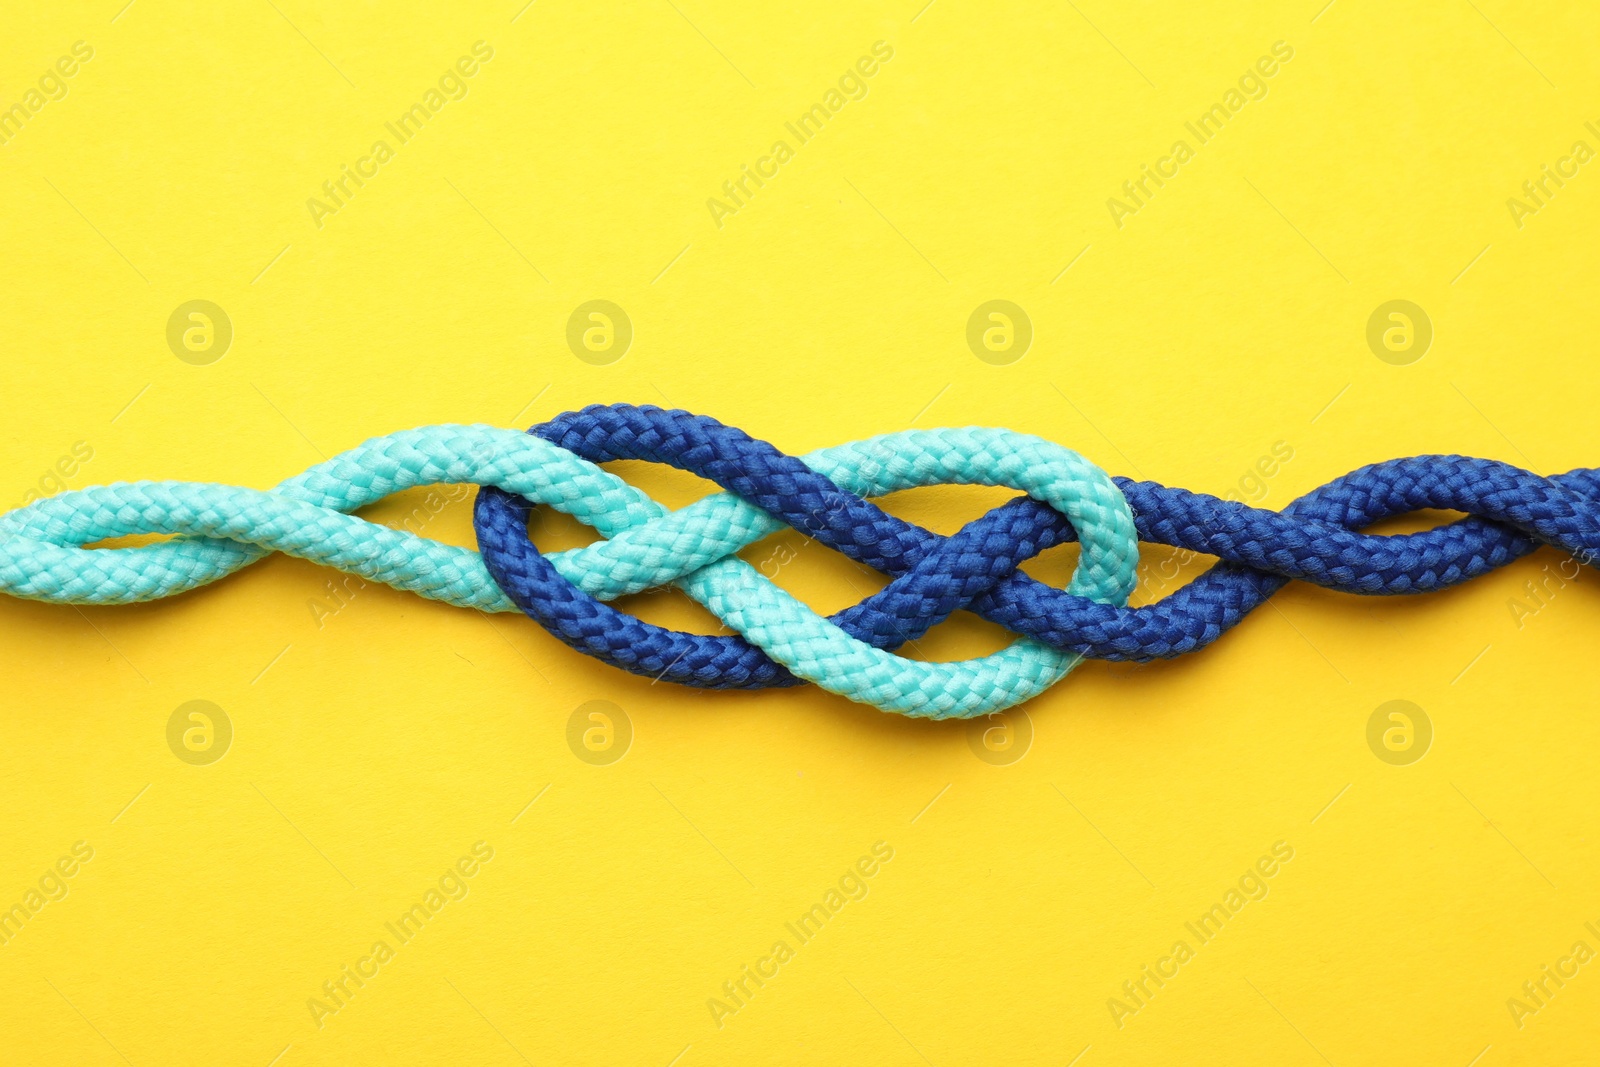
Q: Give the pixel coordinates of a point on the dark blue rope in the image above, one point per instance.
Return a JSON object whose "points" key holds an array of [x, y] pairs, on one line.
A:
{"points": [[1510, 513]]}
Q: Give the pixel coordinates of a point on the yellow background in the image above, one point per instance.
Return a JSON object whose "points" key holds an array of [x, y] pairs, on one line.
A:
{"points": [[1227, 315]]}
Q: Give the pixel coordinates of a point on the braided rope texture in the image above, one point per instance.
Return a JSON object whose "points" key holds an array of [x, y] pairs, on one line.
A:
{"points": [[776, 640]]}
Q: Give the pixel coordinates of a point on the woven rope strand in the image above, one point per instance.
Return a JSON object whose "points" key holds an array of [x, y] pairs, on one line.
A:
{"points": [[231, 527], [793, 636], [1316, 538]]}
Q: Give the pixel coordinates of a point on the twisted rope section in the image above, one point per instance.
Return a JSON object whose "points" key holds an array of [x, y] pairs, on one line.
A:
{"points": [[782, 641], [1316, 539], [778, 641], [223, 528]]}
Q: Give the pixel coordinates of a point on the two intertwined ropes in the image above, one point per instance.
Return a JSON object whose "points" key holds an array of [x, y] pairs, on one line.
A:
{"points": [[776, 639]]}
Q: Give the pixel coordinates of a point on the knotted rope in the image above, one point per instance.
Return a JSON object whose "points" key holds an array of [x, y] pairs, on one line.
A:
{"points": [[777, 640]]}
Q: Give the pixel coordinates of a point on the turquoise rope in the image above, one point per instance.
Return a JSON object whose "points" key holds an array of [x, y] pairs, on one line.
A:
{"points": [[225, 528]]}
